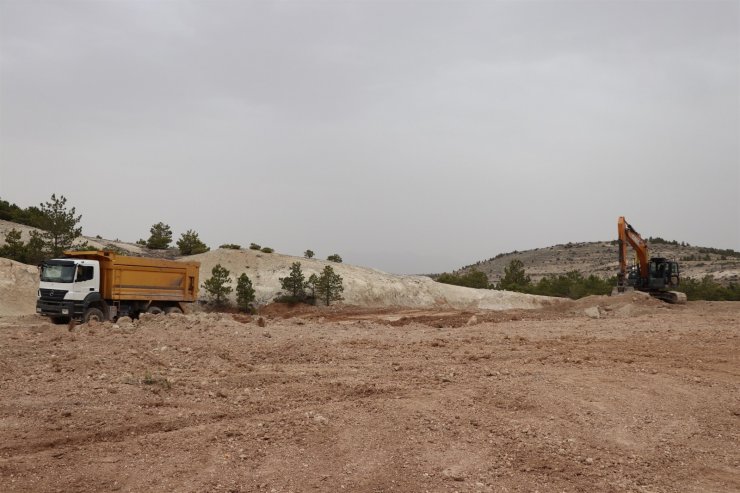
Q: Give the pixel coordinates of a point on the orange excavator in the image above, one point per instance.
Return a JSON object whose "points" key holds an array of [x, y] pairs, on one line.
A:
{"points": [[654, 275]]}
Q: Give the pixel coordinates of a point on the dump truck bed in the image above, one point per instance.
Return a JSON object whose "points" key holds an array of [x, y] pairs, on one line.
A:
{"points": [[142, 278]]}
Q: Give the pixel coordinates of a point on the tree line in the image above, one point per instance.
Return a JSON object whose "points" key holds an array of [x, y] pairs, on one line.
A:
{"points": [[575, 285], [326, 287], [59, 225]]}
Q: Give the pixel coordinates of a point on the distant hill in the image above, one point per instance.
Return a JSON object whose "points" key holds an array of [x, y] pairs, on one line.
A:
{"points": [[600, 258]]}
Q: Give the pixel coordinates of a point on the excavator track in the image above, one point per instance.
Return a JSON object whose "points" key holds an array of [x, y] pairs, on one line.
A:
{"points": [[673, 297]]}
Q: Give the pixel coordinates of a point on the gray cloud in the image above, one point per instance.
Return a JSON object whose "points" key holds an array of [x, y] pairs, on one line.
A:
{"points": [[413, 137]]}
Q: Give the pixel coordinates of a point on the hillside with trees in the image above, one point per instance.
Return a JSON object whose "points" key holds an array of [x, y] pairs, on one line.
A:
{"points": [[600, 259]]}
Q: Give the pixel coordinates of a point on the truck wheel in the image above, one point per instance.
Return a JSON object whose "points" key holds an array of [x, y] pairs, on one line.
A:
{"points": [[93, 314], [154, 310], [173, 309]]}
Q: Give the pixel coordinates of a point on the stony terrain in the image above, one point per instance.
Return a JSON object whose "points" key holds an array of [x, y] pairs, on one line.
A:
{"points": [[637, 397], [600, 258]]}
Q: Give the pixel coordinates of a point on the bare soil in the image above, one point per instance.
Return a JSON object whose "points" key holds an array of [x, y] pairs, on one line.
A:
{"points": [[643, 398]]}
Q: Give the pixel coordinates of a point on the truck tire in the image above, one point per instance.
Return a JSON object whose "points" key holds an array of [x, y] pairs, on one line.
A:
{"points": [[154, 310], [93, 314], [173, 309]]}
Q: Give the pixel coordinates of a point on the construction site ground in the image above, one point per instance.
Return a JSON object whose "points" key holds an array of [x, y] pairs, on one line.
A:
{"points": [[581, 397]]}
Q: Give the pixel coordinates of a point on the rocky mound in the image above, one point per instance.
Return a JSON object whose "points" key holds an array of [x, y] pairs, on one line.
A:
{"points": [[18, 285], [362, 286], [600, 259]]}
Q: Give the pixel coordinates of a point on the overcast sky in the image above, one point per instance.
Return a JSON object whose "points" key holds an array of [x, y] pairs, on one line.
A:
{"points": [[406, 136]]}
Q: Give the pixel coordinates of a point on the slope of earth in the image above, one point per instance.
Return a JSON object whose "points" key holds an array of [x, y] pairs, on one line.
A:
{"points": [[209, 402], [362, 286], [600, 258], [18, 285]]}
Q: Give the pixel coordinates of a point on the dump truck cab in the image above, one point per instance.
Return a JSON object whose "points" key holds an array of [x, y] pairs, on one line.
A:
{"points": [[68, 287]]}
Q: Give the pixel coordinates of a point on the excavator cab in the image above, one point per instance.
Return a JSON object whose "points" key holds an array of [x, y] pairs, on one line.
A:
{"points": [[663, 273]]}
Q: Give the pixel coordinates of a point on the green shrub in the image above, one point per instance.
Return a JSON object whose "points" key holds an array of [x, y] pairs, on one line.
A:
{"points": [[471, 279], [267, 250], [231, 246], [708, 289], [190, 244], [254, 246]]}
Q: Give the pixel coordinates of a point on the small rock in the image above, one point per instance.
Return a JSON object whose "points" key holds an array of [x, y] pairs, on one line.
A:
{"points": [[592, 312], [589, 461], [266, 334], [453, 475], [472, 320], [124, 321]]}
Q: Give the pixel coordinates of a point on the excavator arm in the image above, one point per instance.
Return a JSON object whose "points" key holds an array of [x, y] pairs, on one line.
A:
{"points": [[627, 234]]}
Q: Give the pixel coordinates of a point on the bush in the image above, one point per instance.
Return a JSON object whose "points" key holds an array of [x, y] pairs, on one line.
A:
{"points": [[572, 285], [190, 244], [254, 246], [708, 289], [267, 250], [231, 246], [31, 253], [308, 254], [218, 285], [30, 216], [472, 279], [334, 258]]}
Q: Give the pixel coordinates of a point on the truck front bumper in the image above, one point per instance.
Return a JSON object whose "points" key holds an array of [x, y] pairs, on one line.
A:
{"points": [[54, 308]]}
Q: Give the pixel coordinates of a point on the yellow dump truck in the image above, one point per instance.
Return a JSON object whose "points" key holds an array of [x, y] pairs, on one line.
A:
{"points": [[102, 285]]}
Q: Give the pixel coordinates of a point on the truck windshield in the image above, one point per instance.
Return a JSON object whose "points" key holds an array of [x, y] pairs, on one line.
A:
{"points": [[57, 273]]}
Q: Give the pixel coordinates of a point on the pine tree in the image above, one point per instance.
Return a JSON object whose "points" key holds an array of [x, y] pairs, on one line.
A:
{"points": [[329, 286], [218, 286], [515, 278], [14, 248], [59, 225], [311, 284], [295, 283], [161, 237], [190, 244], [244, 292]]}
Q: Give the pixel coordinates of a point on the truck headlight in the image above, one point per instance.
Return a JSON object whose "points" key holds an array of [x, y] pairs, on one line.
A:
{"points": [[65, 311]]}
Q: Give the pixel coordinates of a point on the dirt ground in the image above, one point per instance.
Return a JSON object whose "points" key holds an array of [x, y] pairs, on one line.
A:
{"points": [[643, 398]]}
